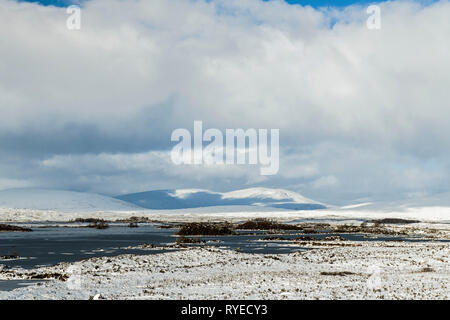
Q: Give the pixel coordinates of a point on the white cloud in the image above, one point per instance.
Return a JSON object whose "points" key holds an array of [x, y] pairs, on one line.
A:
{"points": [[14, 183], [324, 182], [138, 69]]}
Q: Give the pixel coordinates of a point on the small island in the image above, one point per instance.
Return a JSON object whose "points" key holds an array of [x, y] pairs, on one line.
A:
{"points": [[11, 228]]}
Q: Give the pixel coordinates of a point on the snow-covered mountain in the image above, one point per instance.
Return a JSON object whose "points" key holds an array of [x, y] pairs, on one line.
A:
{"points": [[196, 198], [70, 201], [58, 205], [58, 200]]}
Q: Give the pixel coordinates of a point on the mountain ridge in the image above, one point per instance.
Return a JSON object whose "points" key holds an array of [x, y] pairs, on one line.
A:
{"points": [[197, 198], [70, 201]]}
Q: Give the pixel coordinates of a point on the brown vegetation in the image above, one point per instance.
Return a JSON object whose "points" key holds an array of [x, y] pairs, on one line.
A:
{"points": [[266, 224], [42, 276], [10, 228], [336, 273], [394, 221], [134, 220], [89, 220], [305, 238], [206, 229], [275, 238], [98, 225], [184, 240], [376, 229], [9, 257]]}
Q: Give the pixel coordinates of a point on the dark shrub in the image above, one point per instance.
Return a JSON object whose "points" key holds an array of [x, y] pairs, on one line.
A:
{"points": [[11, 256], [98, 225], [337, 273], [305, 238], [206, 229], [134, 220], [89, 220], [10, 228], [394, 221], [376, 229], [184, 239], [266, 224]]}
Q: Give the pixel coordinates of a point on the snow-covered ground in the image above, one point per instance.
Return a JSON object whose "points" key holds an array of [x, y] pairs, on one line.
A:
{"points": [[230, 213], [425, 214], [331, 270], [356, 270], [24, 205]]}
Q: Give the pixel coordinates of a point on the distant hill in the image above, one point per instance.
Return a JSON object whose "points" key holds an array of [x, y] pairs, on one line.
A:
{"points": [[196, 198], [58, 200], [70, 201]]}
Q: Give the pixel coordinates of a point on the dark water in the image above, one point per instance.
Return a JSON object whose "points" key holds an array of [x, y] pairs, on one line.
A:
{"points": [[49, 246], [52, 245], [8, 285]]}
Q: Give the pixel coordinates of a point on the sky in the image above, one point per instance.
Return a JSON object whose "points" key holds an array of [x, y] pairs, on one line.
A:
{"points": [[313, 3], [363, 114]]}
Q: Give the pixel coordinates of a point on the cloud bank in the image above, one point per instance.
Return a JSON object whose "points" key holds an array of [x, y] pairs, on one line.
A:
{"points": [[362, 113]]}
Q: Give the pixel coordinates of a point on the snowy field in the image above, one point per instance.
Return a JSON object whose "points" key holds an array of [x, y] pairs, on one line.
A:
{"points": [[363, 270], [31, 205], [433, 215], [326, 270]]}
